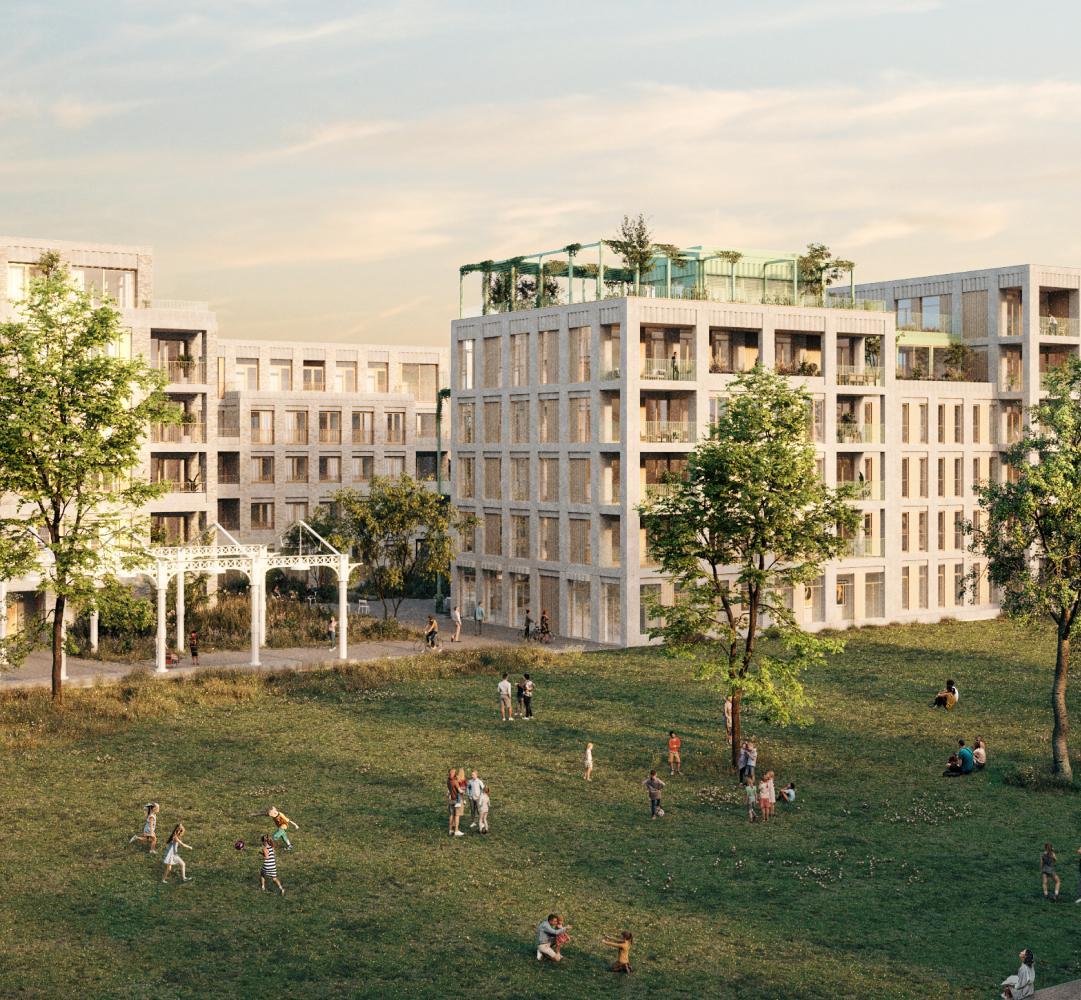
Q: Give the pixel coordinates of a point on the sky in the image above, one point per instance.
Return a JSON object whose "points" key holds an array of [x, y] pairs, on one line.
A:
{"points": [[318, 171]]}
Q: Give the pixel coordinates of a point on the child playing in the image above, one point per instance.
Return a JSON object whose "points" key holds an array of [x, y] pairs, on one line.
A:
{"points": [[474, 787], [270, 866], [763, 798], [750, 796], [674, 764], [1047, 867], [485, 803], [772, 794], [589, 762], [149, 827], [283, 821], [193, 646], [752, 759], [622, 963], [789, 792], [172, 855]]}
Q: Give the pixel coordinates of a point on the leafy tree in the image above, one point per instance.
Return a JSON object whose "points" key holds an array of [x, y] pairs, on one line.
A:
{"points": [[1031, 531], [818, 268], [958, 360], [399, 530], [121, 612], [72, 419], [750, 506], [635, 244]]}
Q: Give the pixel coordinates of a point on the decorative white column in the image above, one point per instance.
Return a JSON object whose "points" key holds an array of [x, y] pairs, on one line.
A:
{"points": [[180, 626], [255, 633], [63, 650], [94, 620], [161, 582], [3, 609], [343, 607]]}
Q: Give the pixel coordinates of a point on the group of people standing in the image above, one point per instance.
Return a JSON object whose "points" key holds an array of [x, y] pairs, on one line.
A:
{"points": [[476, 792], [526, 687]]}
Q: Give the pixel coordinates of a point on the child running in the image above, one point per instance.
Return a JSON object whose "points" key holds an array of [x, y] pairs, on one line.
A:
{"points": [[750, 794], [485, 803], [283, 821], [1047, 867], [149, 827], [270, 866], [622, 963], [172, 854], [589, 763]]}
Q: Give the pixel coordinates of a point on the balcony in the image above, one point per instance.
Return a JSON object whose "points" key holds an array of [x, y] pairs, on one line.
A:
{"points": [[667, 432], [366, 437], [184, 372], [180, 305], [329, 436], [613, 433], [296, 436], [872, 490], [612, 375], [1055, 326], [178, 433], [228, 477], [307, 386], [668, 370], [861, 433], [864, 547], [1009, 381], [297, 477], [262, 435], [176, 486], [798, 369], [850, 375], [228, 430]]}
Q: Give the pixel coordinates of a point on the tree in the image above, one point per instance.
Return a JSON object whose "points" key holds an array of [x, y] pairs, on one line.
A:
{"points": [[400, 530], [818, 268], [1031, 531], [635, 244], [72, 419], [750, 519]]}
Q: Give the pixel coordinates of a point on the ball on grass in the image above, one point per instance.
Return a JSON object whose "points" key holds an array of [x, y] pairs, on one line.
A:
{"points": [[660, 812], [239, 845]]}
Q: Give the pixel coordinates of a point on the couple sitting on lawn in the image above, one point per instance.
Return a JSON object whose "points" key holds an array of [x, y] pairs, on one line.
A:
{"points": [[965, 761]]}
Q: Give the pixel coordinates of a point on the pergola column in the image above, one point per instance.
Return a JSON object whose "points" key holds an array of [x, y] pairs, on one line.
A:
{"points": [[343, 607], [256, 634], [180, 628], [95, 618], [162, 581]]}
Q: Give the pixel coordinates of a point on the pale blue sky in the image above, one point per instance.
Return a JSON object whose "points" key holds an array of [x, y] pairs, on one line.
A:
{"points": [[319, 170]]}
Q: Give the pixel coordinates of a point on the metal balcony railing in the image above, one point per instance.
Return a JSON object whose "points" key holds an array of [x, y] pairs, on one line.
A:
{"points": [[1055, 326], [668, 370], [183, 305], [262, 435], [296, 436], [667, 432], [228, 477], [329, 436], [296, 477], [228, 430], [850, 375], [872, 490], [307, 386], [362, 437], [178, 433], [861, 433], [184, 372], [863, 547], [175, 486]]}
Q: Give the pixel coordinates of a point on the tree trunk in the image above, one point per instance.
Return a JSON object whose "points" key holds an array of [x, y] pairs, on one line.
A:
{"points": [[737, 734], [58, 650], [1058, 704]]}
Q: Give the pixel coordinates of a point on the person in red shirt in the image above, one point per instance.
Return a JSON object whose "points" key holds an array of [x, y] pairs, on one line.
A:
{"points": [[674, 764]]}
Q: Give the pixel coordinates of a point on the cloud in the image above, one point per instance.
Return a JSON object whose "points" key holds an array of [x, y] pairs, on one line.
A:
{"points": [[75, 114]]}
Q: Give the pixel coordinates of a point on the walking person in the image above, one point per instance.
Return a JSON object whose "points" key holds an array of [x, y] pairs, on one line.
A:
{"points": [[478, 617], [750, 798], [741, 761], [172, 853], [456, 617], [589, 771], [503, 692], [331, 629], [527, 695], [1047, 869], [653, 786], [545, 628], [674, 763], [484, 804], [270, 866], [454, 804], [528, 623], [193, 645], [282, 822], [474, 788], [150, 826]]}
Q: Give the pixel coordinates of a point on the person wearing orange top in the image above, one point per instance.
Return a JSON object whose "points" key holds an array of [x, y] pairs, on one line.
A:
{"points": [[282, 822], [674, 764]]}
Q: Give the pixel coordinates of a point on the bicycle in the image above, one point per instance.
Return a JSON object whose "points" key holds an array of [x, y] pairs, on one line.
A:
{"points": [[422, 646]]}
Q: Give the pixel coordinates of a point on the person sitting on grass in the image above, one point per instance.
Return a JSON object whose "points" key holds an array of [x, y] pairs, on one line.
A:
{"points": [[979, 754], [1024, 983], [789, 792], [947, 698], [623, 962], [547, 933], [961, 763]]}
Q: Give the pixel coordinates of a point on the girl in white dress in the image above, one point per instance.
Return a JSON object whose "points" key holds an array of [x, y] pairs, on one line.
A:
{"points": [[172, 854], [149, 827], [589, 762]]}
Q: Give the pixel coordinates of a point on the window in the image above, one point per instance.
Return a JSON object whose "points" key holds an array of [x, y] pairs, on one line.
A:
{"points": [[281, 376], [975, 474], [519, 421], [904, 423], [611, 613], [549, 480], [330, 469], [549, 539], [395, 428], [814, 600], [493, 534], [395, 466], [549, 421], [923, 477], [942, 531], [975, 424], [942, 477], [904, 588], [992, 424], [465, 364], [923, 530], [549, 357], [958, 425], [364, 427], [977, 584], [262, 426], [493, 362], [906, 315], [941, 423], [466, 430], [247, 374], [519, 479], [297, 467], [520, 584], [579, 538], [330, 427], [493, 422], [992, 469], [426, 425], [377, 376], [816, 416], [923, 423], [345, 376], [941, 586], [579, 414], [610, 543], [874, 585], [420, 381], [296, 426], [958, 484], [846, 596], [466, 477], [648, 592], [579, 481], [493, 595], [519, 359], [262, 516], [579, 354], [296, 511], [904, 477], [974, 315], [958, 529], [904, 531], [102, 283], [362, 468], [467, 538], [262, 470], [313, 377], [923, 586], [578, 605], [519, 526], [493, 479]]}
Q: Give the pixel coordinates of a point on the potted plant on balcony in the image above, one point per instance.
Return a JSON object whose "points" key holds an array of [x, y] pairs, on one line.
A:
{"points": [[848, 428], [185, 360]]}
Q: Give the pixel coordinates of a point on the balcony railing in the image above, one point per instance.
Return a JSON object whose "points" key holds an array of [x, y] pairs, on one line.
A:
{"points": [[178, 433], [615, 494], [612, 375], [667, 432], [228, 477], [228, 430], [862, 547], [668, 370], [924, 324], [360, 437], [861, 433], [296, 477], [262, 435], [329, 436], [872, 490], [295, 436], [850, 375], [175, 486], [613, 432], [312, 386], [183, 305], [1055, 326], [1009, 382], [184, 372]]}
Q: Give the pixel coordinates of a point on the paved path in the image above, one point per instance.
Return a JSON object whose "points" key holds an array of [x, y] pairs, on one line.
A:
{"points": [[1064, 991], [37, 670]]}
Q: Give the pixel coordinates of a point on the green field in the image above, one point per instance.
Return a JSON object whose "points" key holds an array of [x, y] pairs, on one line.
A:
{"points": [[886, 881]]}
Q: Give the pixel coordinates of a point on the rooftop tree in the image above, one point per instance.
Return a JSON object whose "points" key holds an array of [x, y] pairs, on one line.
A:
{"points": [[749, 520], [73, 416]]}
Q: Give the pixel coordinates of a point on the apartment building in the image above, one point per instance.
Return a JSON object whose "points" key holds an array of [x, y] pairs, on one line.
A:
{"points": [[269, 428], [567, 416]]}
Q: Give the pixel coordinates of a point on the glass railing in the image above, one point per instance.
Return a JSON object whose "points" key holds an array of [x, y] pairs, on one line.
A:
{"points": [[228, 430], [667, 432], [1009, 382], [668, 370], [805, 369], [176, 486], [850, 375], [612, 375], [227, 477], [927, 324], [861, 433], [1055, 326], [178, 433], [872, 490], [184, 372], [183, 305], [860, 547]]}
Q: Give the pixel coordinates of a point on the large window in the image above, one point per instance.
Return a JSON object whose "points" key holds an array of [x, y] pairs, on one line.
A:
{"points": [[579, 607], [362, 468], [364, 427], [465, 364], [297, 469], [313, 377], [330, 427], [377, 376], [330, 469], [247, 374], [296, 426], [262, 470], [262, 426], [345, 376], [281, 376], [395, 428], [262, 516], [466, 429]]}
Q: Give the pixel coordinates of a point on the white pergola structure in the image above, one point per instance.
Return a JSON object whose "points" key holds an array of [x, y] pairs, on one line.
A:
{"points": [[254, 561]]}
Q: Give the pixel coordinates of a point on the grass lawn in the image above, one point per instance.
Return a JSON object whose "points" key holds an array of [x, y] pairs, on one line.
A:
{"points": [[884, 881]]}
